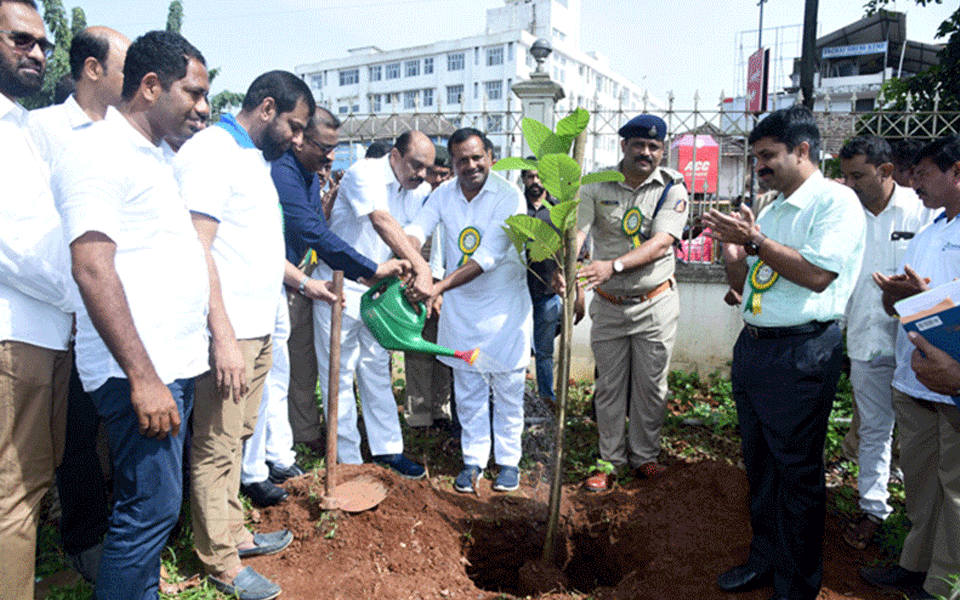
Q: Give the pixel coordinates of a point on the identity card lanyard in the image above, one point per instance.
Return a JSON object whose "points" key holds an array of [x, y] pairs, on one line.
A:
{"points": [[469, 241], [762, 277]]}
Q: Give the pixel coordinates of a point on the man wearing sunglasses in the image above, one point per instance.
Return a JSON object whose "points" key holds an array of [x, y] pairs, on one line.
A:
{"points": [[35, 305]]}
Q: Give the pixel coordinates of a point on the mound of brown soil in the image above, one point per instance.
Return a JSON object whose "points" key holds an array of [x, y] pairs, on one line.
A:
{"points": [[662, 539]]}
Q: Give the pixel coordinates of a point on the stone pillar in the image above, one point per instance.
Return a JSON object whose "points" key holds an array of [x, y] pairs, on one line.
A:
{"points": [[539, 94]]}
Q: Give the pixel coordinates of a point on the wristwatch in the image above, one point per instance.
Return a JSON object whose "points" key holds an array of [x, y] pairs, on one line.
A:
{"points": [[303, 284], [618, 266], [752, 246]]}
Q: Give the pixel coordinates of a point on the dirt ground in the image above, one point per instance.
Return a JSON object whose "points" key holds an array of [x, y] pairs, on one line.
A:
{"points": [[662, 539]]}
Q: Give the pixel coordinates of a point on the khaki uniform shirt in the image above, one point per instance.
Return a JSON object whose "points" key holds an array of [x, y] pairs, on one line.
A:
{"points": [[602, 208]]}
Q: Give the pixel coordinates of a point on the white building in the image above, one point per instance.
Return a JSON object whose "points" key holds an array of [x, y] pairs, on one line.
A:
{"points": [[469, 80]]}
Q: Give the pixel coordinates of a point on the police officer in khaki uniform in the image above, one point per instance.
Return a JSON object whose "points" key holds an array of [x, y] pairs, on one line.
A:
{"points": [[636, 306]]}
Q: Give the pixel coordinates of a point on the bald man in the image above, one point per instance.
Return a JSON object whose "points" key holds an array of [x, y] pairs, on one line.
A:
{"points": [[377, 198], [96, 66]]}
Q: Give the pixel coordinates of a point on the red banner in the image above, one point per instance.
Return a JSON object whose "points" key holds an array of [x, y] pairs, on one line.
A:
{"points": [[704, 179], [757, 81]]}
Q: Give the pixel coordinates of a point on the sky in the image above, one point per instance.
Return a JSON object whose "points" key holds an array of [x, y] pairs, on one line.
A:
{"points": [[687, 47]]}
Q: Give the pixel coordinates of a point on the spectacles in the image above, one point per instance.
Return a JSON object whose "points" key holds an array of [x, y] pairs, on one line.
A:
{"points": [[324, 148], [24, 42]]}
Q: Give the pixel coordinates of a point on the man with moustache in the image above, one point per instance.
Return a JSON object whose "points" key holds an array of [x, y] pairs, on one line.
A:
{"points": [[796, 267], [35, 305], [224, 178], [96, 66], [636, 306], [376, 197], [893, 216], [141, 331], [486, 305], [309, 239], [927, 419]]}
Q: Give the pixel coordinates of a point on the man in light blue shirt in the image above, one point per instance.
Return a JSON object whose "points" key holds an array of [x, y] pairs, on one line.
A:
{"points": [[796, 266]]}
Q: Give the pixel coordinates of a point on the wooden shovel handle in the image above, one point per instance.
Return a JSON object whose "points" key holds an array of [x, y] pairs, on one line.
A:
{"points": [[333, 387]]}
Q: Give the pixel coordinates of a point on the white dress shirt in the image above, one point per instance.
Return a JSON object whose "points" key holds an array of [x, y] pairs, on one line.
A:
{"points": [[35, 302], [51, 127], [114, 181], [871, 332], [369, 185], [493, 312], [232, 184]]}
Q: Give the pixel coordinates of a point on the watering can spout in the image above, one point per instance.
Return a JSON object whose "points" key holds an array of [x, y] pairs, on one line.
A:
{"points": [[397, 325]]}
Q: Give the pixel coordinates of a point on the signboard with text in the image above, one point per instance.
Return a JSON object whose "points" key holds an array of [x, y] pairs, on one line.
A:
{"points": [[702, 176], [757, 67], [855, 50]]}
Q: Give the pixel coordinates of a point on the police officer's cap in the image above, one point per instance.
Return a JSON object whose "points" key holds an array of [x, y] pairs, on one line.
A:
{"points": [[650, 127]]}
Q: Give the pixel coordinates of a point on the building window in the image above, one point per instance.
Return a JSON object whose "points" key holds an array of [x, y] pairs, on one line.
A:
{"points": [[455, 93], [387, 98], [316, 81], [428, 97], [356, 108], [561, 36], [411, 68], [410, 98], [476, 55], [376, 73], [494, 56], [493, 89], [349, 76], [343, 110], [375, 105], [476, 90], [510, 51], [455, 61], [428, 65], [494, 123], [393, 71]]}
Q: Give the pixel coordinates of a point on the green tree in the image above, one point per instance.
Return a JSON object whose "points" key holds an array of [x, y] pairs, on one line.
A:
{"points": [[78, 20], [58, 64], [175, 16]]}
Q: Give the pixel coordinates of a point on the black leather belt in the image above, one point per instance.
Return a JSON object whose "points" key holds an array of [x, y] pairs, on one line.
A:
{"points": [[760, 333]]}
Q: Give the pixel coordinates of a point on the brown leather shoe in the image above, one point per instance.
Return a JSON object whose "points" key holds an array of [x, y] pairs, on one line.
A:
{"points": [[651, 470], [600, 482]]}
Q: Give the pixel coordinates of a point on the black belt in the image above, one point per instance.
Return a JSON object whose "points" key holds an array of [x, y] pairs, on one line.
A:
{"points": [[760, 333]]}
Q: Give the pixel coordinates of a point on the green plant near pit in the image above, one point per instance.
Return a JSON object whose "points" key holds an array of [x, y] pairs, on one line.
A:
{"points": [[328, 524]]}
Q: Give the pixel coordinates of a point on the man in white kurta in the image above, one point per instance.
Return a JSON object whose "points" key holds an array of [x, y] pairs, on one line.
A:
{"points": [[376, 197], [486, 305]]}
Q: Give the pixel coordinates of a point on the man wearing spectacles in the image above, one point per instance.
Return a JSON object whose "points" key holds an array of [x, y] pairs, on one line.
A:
{"points": [[35, 306]]}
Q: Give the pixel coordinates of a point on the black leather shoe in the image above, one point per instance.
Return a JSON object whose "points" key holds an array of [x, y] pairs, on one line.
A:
{"points": [[264, 493], [280, 474], [743, 579], [895, 577]]}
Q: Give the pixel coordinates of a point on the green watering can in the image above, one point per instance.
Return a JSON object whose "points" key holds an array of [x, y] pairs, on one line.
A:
{"points": [[396, 323]]}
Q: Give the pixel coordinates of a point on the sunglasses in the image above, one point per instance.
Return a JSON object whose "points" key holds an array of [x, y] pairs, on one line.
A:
{"points": [[324, 148], [24, 42]]}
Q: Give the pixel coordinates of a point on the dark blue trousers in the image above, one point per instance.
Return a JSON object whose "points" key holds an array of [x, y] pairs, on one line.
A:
{"points": [[784, 390], [147, 484]]}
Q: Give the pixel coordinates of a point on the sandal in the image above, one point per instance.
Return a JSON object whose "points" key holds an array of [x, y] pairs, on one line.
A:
{"points": [[859, 534]]}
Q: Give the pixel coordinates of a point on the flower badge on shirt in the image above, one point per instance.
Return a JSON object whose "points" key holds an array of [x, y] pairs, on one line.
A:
{"points": [[762, 277], [632, 222], [468, 241]]}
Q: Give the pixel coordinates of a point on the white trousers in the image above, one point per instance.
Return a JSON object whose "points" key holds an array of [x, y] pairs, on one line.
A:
{"points": [[360, 352], [472, 390], [871, 387], [272, 439]]}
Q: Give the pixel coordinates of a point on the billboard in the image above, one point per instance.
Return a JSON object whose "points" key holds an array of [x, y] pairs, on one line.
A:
{"points": [[757, 71], [702, 177]]}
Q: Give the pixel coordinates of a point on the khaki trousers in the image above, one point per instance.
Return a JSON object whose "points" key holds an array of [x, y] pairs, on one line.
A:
{"points": [[632, 345], [930, 459], [33, 410], [428, 383], [302, 394], [220, 426]]}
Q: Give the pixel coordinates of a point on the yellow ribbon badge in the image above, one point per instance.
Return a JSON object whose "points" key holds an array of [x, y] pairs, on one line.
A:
{"points": [[631, 224], [762, 277], [469, 241]]}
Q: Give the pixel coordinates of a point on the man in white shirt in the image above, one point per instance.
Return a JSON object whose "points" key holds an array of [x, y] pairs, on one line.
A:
{"points": [[928, 421], [486, 305], [96, 64], [224, 177], [376, 198], [35, 305], [141, 331], [894, 215]]}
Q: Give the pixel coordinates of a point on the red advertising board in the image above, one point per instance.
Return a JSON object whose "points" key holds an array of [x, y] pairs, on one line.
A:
{"points": [[703, 179], [757, 81]]}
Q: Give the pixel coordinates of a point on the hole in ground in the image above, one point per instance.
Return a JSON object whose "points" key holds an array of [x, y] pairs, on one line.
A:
{"points": [[498, 549]]}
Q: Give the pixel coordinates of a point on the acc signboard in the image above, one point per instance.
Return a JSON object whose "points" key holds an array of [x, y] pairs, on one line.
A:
{"points": [[701, 178], [757, 66]]}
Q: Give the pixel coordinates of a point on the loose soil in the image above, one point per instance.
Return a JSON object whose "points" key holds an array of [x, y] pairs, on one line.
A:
{"points": [[663, 539]]}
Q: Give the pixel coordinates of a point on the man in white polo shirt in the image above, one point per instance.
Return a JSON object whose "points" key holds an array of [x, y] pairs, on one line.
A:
{"points": [[486, 305], [141, 332], [96, 67], [928, 422], [224, 177], [35, 305], [376, 198]]}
